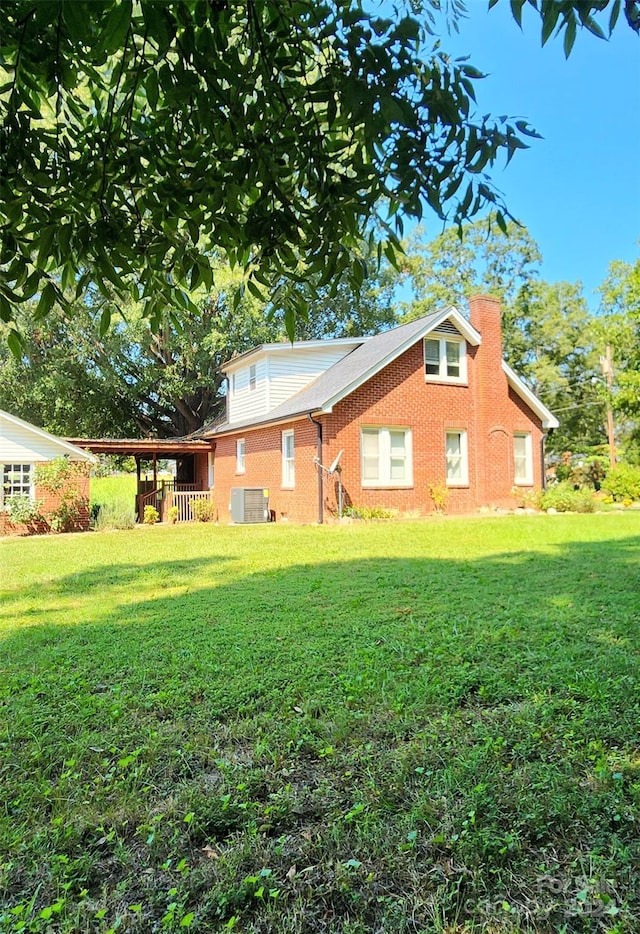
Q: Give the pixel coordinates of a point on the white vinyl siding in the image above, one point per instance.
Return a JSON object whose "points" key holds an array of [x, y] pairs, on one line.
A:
{"points": [[288, 463], [386, 457], [19, 444], [445, 360], [279, 374], [290, 371], [457, 459], [523, 458], [240, 455], [245, 402]]}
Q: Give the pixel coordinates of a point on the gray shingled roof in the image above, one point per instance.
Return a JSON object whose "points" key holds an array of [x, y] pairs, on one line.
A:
{"points": [[348, 372]]}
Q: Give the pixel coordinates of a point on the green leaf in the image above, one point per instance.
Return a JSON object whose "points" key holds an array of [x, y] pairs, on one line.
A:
{"points": [[116, 27], [569, 37], [550, 13], [105, 320], [47, 298], [6, 311], [516, 9], [14, 341], [152, 88]]}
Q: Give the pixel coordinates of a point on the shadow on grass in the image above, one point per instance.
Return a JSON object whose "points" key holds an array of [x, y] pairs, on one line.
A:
{"points": [[488, 708]]}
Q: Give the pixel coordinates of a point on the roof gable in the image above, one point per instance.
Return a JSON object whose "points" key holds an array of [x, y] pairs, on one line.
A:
{"points": [[70, 450], [546, 417], [357, 367]]}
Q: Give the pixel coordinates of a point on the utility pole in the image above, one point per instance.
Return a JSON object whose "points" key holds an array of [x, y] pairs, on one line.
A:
{"points": [[606, 363]]}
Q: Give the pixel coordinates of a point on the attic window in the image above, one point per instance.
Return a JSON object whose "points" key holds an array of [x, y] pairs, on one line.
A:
{"points": [[252, 376], [445, 360]]}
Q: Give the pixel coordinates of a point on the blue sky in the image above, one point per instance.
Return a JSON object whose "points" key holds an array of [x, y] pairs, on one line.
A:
{"points": [[578, 189]]}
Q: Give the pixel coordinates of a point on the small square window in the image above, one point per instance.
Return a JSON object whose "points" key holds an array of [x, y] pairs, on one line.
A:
{"points": [[17, 480]]}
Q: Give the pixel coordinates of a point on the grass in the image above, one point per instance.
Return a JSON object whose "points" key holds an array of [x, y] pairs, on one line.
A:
{"points": [[417, 727], [113, 488]]}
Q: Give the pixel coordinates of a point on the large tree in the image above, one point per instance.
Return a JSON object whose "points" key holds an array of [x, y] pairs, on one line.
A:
{"points": [[138, 139], [619, 327], [165, 380]]}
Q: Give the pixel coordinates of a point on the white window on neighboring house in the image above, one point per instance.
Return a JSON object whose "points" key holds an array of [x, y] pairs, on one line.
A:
{"points": [[445, 360], [288, 466], [457, 458], [523, 458], [17, 480], [252, 376], [240, 452], [386, 457]]}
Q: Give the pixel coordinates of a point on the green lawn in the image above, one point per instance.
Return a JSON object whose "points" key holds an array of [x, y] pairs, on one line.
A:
{"points": [[429, 726]]}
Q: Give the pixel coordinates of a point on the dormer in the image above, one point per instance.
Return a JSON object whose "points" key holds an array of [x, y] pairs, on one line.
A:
{"points": [[264, 378]]}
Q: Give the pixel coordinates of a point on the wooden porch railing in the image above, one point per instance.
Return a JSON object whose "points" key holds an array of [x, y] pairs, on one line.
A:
{"points": [[151, 498], [183, 499]]}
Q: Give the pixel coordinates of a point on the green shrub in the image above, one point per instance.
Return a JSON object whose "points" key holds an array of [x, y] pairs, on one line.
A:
{"points": [[173, 514], [439, 493], [369, 512], [151, 515], [623, 482], [527, 497], [22, 510], [564, 498], [118, 514], [203, 510]]}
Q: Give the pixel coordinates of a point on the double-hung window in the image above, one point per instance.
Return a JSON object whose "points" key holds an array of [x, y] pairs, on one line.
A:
{"points": [[457, 458], [240, 455], [445, 360], [288, 465], [522, 458], [252, 377], [386, 457], [17, 480]]}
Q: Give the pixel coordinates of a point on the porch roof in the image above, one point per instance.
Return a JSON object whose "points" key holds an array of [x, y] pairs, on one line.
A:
{"points": [[141, 447]]}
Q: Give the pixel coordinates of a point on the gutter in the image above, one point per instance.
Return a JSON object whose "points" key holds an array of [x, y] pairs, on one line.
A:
{"points": [[319, 466]]}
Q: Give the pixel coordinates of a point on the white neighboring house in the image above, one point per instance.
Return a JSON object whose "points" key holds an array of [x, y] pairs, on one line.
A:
{"points": [[22, 447]]}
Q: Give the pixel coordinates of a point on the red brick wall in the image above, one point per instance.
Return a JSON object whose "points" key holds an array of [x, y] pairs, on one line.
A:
{"points": [[49, 503], [486, 408], [263, 459]]}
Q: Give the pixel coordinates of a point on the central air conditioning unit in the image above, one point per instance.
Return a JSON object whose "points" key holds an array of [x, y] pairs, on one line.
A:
{"points": [[249, 504]]}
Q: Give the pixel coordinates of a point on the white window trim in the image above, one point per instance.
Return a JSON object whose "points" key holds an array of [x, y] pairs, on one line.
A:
{"points": [[462, 481], [288, 463], [442, 376], [32, 488], [528, 479], [384, 480], [241, 455]]}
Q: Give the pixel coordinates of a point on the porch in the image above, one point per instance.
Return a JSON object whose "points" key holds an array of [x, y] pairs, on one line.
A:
{"points": [[193, 472]]}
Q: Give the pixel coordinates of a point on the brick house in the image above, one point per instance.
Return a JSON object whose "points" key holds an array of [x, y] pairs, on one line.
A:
{"points": [[428, 403], [22, 447]]}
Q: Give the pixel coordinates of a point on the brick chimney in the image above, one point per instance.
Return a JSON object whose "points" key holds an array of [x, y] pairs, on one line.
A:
{"points": [[485, 316], [491, 396]]}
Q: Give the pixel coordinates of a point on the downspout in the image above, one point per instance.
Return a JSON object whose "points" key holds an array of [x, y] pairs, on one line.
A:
{"points": [[319, 467], [543, 457]]}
